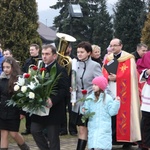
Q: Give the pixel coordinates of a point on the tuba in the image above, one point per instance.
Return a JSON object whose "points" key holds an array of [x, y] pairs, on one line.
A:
{"points": [[64, 61]]}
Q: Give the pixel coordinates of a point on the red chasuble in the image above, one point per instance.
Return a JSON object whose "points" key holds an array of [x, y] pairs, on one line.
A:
{"points": [[124, 91], [123, 80]]}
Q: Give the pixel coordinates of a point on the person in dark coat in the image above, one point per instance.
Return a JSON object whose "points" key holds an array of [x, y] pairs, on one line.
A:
{"points": [[1, 58], [9, 115], [96, 54], [56, 103], [67, 124], [140, 51], [33, 60]]}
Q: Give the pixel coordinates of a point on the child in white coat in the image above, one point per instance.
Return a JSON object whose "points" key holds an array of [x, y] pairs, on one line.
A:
{"points": [[99, 125]]}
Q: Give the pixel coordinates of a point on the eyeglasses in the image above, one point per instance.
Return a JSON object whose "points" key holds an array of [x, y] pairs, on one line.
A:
{"points": [[114, 45]]}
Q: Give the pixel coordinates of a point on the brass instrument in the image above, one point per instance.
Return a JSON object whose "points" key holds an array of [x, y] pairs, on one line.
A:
{"points": [[63, 60]]}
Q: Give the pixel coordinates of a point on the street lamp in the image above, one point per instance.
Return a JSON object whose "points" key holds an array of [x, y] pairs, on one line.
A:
{"points": [[75, 11]]}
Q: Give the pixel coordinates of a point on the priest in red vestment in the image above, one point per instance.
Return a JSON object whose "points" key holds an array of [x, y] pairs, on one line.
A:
{"points": [[124, 83]]}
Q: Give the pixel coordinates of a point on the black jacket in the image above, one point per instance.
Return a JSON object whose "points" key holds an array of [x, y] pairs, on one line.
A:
{"points": [[136, 55], [98, 60], [28, 62], [6, 112], [57, 113]]}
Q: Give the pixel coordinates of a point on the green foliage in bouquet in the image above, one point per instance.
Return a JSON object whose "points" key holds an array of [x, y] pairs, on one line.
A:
{"points": [[32, 89], [86, 115]]}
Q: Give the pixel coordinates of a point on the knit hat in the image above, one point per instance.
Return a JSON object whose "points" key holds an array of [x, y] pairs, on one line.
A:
{"points": [[101, 82]]}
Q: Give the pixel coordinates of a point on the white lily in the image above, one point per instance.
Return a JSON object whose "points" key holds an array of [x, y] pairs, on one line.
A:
{"points": [[31, 85], [31, 95], [36, 80], [24, 89], [21, 81]]}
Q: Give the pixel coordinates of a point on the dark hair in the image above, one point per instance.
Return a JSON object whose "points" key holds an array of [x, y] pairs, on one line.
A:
{"points": [[53, 48], [97, 94], [35, 45], [14, 73], [10, 51], [141, 45], [70, 45], [86, 45], [120, 42]]}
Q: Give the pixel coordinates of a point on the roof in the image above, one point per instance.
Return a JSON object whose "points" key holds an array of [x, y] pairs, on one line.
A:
{"points": [[46, 33]]}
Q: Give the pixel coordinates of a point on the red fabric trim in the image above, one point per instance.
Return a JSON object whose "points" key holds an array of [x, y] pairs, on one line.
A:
{"points": [[104, 71], [124, 91]]}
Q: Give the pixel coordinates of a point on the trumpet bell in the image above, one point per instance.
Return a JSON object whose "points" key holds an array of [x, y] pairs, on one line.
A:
{"points": [[66, 37]]}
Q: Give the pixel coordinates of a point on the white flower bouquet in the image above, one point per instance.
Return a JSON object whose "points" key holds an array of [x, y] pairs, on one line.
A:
{"points": [[32, 90]]}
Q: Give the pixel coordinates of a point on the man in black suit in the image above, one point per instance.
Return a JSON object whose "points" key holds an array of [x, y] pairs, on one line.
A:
{"points": [[56, 103], [140, 51]]}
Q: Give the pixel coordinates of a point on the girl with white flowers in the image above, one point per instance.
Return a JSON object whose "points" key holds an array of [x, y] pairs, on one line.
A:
{"points": [[9, 116]]}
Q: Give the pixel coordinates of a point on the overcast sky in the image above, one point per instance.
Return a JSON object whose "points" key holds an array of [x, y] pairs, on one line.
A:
{"points": [[46, 15], [44, 4]]}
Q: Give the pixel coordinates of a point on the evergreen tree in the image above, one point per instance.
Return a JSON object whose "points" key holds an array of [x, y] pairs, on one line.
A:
{"points": [[101, 25], [18, 26], [146, 31], [129, 17], [95, 26]]}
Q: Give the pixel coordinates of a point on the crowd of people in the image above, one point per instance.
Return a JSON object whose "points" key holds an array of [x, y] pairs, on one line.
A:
{"points": [[115, 108]]}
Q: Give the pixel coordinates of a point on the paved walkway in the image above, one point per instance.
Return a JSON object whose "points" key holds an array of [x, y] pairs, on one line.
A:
{"points": [[67, 143]]}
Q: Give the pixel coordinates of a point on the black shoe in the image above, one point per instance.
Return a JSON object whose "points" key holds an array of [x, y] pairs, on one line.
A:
{"points": [[127, 146], [26, 132], [63, 133], [73, 133], [141, 148]]}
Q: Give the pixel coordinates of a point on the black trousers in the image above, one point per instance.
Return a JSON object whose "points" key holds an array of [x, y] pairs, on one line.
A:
{"points": [[71, 126], [28, 122], [145, 129], [51, 142]]}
